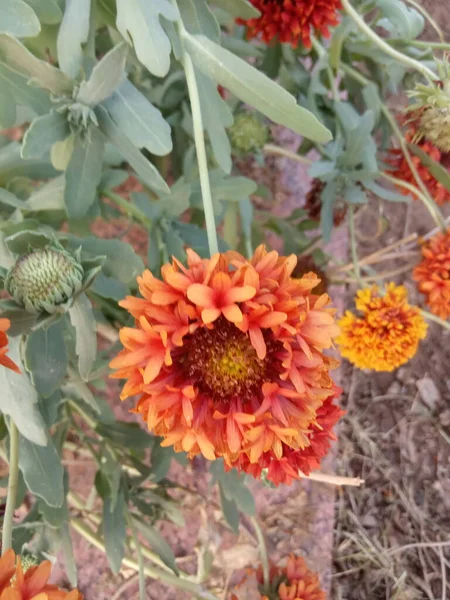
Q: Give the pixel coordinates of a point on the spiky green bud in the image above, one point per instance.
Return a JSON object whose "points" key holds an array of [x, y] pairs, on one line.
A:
{"points": [[434, 126], [248, 133], [44, 279]]}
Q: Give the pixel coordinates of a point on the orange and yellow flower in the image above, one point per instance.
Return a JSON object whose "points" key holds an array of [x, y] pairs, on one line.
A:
{"points": [[293, 21], [4, 358], [433, 274], [401, 169], [31, 585], [227, 357], [293, 582], [387, 334]]}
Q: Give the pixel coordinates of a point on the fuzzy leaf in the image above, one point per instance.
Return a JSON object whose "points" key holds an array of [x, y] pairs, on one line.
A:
{"points": [[7, 108], [106, 76], [19, 399], [43, 133], [157, 543], [253, 87], [47, 11], [49, 196], [114, 529], [83, 320], [83, 174], [138, 22], [18, 19], [238, 8], [73, 32], [198, 18], [46, 358]]}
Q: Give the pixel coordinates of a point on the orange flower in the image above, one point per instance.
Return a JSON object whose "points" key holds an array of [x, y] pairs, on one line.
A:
{"points": [[31, 585], [227, 358], [293, 582], [388, 333], [402, 170], [433, 274], [4, 358], [292, 21]]}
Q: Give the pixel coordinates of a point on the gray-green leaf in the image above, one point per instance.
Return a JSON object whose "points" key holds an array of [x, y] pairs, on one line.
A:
{"points": [[83, 173], [16, 85], [47, 11], [114, 529], [43, 133], [49, 196], [46, 358], [253, 87], [83, 320], [238, 8], [73, 32], [18, 19], [157, 543], [105, 77], [138, 22]]}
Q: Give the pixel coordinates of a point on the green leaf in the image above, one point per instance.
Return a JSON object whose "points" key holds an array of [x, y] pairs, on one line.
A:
{"points": [[69, 558], [107, 287], [148, 172], [17, 86], [401, 21], [354, 194], [16, 56], [114, 530], [73, 32], [157, 543], [42, 470], [230, 511], [19, 399], [340, 34], [56, 516], [246, 211], [385, 194], [233, 486], [61, 152], [49, 196], [49, 408], [372, 99], [139, 120], [161, 458], [126, 435], [18, 19], [8, 199], [7, 108], [105, 77], [83, 320], [139, 24], [76, 387], [328, 197], [46, 358], [198, 18], [43, 133], [238, 8], [436, 169], [253, 87], [47, 11], [83, 173]]}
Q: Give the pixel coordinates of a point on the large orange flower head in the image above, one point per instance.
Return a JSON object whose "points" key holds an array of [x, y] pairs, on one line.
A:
{"points": [[293, 582], [293, 21], [4, 358], [30, 584], [401, 169], [433, 274], [227, 359], [388, 332]]}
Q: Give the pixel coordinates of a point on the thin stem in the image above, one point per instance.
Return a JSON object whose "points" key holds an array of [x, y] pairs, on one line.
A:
{"points": [[333, 479], [263, 554], [13, 480], [430, 317], [157, 574], [272, 149], [354, 247], [402, 58], [429, 45], [199, 138], [128, 207], [404, 184]]}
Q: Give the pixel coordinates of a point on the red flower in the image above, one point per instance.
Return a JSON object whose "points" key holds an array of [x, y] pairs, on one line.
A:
{"points": [[292, 21], [433, 274], [4, 358], [227, 357]]}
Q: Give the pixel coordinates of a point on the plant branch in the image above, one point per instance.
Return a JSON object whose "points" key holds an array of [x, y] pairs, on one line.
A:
{"points": [[128, 207], [13, 479], [430, 317], [412, 63], [263, 554], [333, 479]]}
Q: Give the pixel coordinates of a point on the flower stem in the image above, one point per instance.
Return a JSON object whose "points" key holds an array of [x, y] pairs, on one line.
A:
{"points": [[430, 317], [165, 577], [13, 480], [272, 149], [402, 58], [263, 554], [200, 146], [128, 207]]}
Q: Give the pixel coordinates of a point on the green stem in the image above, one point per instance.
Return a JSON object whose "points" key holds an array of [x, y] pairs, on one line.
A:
{"points": [[277, 151], [429, 45], [128, 207], [13, 480], [402, 58], [430, 317], [331, 78], [354, 247], [140, 557], [263, 554], [90, 44], [404, 184], [200, 146], [163, 576]]}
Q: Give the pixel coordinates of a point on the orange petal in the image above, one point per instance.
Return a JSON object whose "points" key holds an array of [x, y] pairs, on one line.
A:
{"points": [[258, 343], [241, 294], [232, 313], [209, 315], [201, 295]]}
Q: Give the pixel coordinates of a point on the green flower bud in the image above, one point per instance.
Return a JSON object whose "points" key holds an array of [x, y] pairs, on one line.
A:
{"points": [[434, 126], [44, 279], [248, 133]]}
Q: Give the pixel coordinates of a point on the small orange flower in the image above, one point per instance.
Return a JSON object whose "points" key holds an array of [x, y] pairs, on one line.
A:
{"points": [[433, 274], [388, 333], [31, 585], [4, 358], [401, 169], [292, 21], [227, 358]]}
